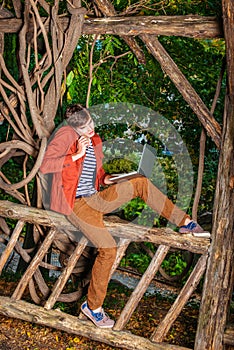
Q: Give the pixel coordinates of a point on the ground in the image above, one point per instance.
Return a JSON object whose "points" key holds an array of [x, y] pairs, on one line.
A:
{"points": [[16, 334]]}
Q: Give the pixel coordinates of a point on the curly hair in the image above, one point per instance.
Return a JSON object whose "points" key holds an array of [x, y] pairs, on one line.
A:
{"points": [[77, 115]]}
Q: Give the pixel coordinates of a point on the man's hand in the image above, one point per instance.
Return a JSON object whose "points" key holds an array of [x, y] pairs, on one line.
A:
{"points": [[107, 180], [83, 143]]}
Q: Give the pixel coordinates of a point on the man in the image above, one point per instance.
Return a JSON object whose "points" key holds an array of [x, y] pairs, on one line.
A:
{"points": [[74, 157]]}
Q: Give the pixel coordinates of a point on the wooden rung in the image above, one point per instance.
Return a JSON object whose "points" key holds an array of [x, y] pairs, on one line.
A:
{"points": [[42, 251], [62, 279], [181, 300], [142, 286], [11, 244], [122, 246]]}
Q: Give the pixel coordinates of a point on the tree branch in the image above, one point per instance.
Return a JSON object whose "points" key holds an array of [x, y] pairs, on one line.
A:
{"points": [[189, 94]]}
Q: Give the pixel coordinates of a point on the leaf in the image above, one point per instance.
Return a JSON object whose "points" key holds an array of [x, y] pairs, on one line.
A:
{"points": [[70, 78], [63, 88], [99, 87], [76, 340], [69, 98]]}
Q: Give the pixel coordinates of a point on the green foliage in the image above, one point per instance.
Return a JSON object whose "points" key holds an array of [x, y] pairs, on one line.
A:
{"points": [[117, 166], [134, 209], [11, 46], [170, 7], [209, 180], [140, 261], [174, 264], [10, 276]]}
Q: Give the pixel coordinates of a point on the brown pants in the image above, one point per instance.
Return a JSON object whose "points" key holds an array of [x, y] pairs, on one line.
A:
{"points": [[88, 216]]}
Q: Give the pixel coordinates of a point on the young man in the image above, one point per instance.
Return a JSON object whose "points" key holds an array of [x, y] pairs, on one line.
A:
{"points": [[74, 157]]}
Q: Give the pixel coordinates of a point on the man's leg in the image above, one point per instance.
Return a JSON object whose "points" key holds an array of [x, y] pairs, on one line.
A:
{"points": [[91, 224], [88, 216], [116, 195]]}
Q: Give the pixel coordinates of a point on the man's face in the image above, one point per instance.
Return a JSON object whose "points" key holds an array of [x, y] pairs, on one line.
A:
{"points": [[87, 129]]}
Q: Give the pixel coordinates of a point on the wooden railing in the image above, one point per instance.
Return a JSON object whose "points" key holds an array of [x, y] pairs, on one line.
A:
{"points": [[61, 232]]}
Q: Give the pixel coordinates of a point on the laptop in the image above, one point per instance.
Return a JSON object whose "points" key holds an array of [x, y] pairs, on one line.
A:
{"points": [[145, 166]]}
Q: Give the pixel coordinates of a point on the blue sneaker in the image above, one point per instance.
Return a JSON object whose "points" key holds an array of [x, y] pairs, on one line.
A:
{"points": [[192, 227], [100, 319]]}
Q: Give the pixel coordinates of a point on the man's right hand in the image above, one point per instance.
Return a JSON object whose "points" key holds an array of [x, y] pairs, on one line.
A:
{"points": [[83, 143]]}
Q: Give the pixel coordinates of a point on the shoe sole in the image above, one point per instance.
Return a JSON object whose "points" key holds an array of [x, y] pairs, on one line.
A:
{"points": [[197, 234]]}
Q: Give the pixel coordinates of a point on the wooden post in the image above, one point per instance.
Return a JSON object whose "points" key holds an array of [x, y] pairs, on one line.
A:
{"points": [[219, 277], [122, 247], [34, 265], [142, 286], [181, 300], [61, 281], [11, 244]]}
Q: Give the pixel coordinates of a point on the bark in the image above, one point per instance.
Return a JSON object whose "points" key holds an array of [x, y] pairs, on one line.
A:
{"points": [[32, 173], [229, 335], [117, 227], [186, 26], [219, 277], [71, 324], [18, 8], [10, 246], [63, 278]]}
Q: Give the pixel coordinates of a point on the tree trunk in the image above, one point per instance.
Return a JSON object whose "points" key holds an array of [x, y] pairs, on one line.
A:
{"points": [[219, 277]]}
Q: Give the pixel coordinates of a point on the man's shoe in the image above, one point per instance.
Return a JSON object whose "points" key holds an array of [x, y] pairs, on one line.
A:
{"points": [[195, 229], [100, 319]]}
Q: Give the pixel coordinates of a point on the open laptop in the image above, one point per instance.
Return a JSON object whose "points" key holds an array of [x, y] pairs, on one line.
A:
{"points": [[145, 166]]}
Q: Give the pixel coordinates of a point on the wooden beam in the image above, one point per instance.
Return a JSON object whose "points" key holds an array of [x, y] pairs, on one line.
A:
{"points": [[218, 284], [71, 324], [198, 27], [117, 227]]}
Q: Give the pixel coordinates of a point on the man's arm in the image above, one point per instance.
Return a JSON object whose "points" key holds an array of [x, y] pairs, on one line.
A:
{"points": [[58, 149]]}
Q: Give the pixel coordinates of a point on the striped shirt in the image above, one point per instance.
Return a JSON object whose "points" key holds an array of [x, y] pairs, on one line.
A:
{"points": [[87, 178]]}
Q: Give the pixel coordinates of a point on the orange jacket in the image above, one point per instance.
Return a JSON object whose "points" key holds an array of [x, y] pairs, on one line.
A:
{"points": [[66, 173]]}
